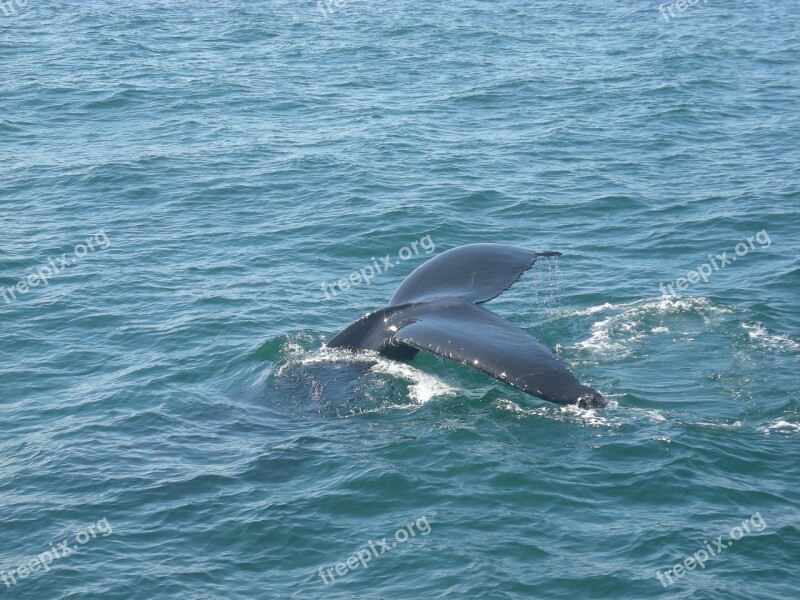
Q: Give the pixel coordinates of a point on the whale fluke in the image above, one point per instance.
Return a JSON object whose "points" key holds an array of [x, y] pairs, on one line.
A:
{"points": [[436, 310], [475, 273]]}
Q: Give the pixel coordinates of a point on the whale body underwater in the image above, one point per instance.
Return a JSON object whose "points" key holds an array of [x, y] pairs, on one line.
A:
{"points": [[437, 309]]}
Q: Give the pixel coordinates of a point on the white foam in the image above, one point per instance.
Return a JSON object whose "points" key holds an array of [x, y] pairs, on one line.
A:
{"points": [[618, 333], [587, 311], [758, 333], [292, 348], [780, 426], [297, 355], [326, 355], [649, 414], [571, 412], [423, 387], [604, 333], [720, 425], [612, 416]]}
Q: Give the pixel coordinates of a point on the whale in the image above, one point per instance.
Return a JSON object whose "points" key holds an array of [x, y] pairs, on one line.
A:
{"points": [[437, 309]]}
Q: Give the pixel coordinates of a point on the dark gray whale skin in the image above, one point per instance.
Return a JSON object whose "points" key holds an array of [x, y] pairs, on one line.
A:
{"points": [[437, 309]]}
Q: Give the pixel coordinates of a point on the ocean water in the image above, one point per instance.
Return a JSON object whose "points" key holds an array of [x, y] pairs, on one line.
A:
{"points": [[182, 186]]}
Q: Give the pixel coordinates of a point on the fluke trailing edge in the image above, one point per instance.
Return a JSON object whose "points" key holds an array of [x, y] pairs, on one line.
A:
{"points": [[437, 309]]}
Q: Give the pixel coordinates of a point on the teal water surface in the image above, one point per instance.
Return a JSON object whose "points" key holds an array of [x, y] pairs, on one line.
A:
{"points": [[186, 189]]}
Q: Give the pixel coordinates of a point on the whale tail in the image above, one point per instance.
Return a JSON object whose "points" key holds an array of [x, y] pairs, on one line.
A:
{"points": [[474, 273], [436, 309]]}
